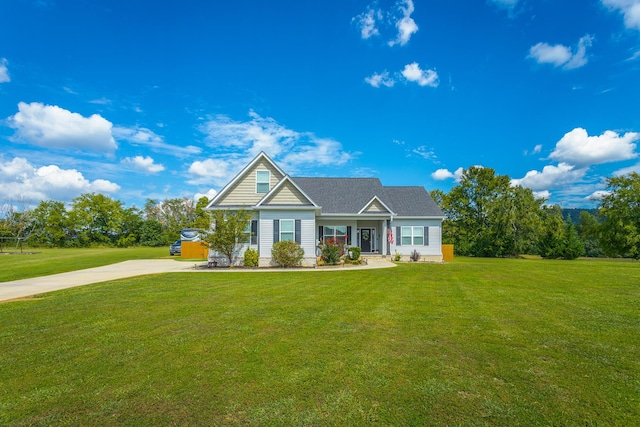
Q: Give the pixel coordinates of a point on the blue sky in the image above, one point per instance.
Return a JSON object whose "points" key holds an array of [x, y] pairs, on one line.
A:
{"points": [[141, 99]]}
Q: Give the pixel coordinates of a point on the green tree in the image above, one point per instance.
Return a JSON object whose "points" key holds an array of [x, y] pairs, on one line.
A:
{"points": [[588, 229], [151, 234], [229, 230], [51, 224], [202, 219], [619, 212], [551, 240], [487, 216], [96, 219], [573, 247]]}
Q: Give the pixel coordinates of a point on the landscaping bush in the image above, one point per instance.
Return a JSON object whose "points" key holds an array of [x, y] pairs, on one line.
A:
{"points": [[287, 253], [354, 253], [415, 256], [331, 252], [251, 257]]}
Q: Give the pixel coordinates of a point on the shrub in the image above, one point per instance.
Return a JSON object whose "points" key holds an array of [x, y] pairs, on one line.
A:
{"points": [[251, 258], [415, 255], [354, 253], [397, 257], [287, 253], [331, 252]]}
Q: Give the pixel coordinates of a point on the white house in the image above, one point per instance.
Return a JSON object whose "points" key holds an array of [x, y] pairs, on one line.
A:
{"points": [[357, 211]]}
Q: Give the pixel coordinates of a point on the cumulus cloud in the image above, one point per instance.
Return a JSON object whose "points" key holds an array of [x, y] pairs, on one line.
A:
{"points": [[374, 21], [20, 179], [578, 148], [413, 73], [562, 56], [4, 71], [406, 25], [54, 127], [139, 136], [550, 177], [382, 79], [145, 164], [209, 171], [598, 195], [630, 9], [443, 174], [545, 194]]}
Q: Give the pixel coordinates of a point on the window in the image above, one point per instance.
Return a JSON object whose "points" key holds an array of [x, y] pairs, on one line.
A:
{"points": [[287, 229], [338, 233], [246, 234], [262, 182], [250, 233], [412, 236]]}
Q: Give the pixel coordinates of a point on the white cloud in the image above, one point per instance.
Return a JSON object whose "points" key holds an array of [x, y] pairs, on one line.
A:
{"points": [[578, 148], [367, 23], [550, 177], [265, 134], [20, 179], [597, 195], [382, 79], [210, 194], [373, 21], [4, 71], [545, 194], [630, 9], [145, 164], [442, 174], [560, 55], [209, 171], [406, 25], [413, 73], [140, 136], [54, 127]]}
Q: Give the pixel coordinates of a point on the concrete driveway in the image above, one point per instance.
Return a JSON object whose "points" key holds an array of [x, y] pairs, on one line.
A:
{"points": [[55, 282]]}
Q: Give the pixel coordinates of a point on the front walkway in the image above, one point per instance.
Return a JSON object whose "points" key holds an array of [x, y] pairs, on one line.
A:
{"points": [[55, 282]]}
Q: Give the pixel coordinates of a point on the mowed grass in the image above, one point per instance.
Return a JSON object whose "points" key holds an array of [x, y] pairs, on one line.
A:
{"points": [[51, 261], [473, 342]]}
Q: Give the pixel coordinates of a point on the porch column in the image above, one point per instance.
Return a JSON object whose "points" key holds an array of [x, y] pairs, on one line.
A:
{"points": [[385, 239]]}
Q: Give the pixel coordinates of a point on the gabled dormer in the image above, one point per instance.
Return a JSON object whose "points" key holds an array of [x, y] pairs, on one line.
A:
{"points": [[287, 193], [375, 206], [251, 184]]}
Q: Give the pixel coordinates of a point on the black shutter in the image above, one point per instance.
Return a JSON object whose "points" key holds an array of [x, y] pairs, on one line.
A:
{"points": [[348, 235], [276, 230], [426, 236], [298, 231], [254, 231], [320, 232], [398, 236]]}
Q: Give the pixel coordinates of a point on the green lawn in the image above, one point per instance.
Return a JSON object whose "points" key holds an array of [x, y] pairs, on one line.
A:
{"points": [[52, 261], [473, 342]]}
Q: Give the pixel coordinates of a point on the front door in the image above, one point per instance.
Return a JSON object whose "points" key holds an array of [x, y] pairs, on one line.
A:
{"points": [[365, 239]]}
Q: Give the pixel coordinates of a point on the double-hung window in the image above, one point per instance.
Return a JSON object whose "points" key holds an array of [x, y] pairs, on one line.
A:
{"points": [[262, 182], [287, 229], [412, 236]]}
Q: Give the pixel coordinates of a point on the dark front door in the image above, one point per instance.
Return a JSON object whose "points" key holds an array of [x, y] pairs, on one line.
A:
{"points": [[365, 239]]}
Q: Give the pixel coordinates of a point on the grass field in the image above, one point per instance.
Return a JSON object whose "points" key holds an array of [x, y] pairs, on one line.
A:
{"points": [[473, 342], [52, 261]]}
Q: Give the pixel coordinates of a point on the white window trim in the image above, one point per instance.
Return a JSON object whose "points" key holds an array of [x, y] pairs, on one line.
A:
{"points": [[326, 236], [292, 232], [413, 236], [258, 182]]}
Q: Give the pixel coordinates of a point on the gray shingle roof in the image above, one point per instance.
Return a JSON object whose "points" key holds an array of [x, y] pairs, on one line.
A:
{"points": [[350, 195]]}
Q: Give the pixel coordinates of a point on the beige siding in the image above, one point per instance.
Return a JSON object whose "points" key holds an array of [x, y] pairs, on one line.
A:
{"points": [[244, 190], [288, 195], [376, 206]]}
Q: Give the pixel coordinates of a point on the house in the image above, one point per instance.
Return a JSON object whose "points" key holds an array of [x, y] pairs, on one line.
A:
{"points": [[381, 220]]}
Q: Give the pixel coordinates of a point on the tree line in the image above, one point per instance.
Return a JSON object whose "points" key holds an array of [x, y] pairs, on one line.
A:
{"points": [[486, 216], [98, 220]]}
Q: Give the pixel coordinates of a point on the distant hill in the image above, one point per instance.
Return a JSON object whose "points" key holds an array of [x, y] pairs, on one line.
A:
{"points": [[574, 214]]}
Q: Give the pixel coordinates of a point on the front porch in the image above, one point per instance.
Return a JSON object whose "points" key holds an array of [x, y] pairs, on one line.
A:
{"points": [[371, 234]]}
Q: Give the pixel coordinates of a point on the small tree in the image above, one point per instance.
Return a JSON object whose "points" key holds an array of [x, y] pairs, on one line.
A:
{"points": [[229, 228]]}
